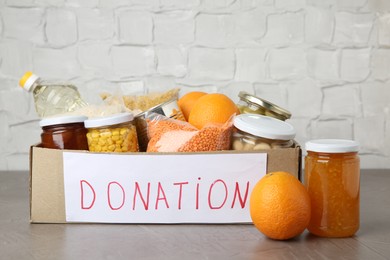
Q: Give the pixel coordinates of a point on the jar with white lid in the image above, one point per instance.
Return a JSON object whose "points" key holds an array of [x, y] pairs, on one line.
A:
{"points": [[64, 132], [115, 133], [258, 132], [332, 178]]}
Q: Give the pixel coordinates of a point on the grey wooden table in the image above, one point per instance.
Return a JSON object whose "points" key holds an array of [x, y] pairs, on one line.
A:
{"points": [[21, 240]]}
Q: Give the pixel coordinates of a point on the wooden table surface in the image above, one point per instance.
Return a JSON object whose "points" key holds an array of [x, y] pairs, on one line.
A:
{"points": [[21, 240]]}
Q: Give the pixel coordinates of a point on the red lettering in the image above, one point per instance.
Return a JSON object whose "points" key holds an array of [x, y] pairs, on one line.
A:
{"points": [[109, 195], [226, 194], [180, 192], [82, 195], [197, 194], [237, 192], [138, 190], [160, 191]]}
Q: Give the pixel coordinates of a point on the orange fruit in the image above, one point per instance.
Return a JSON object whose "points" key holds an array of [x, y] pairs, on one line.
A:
{"points": [[212, 108], [280, 206], [187, 101]]}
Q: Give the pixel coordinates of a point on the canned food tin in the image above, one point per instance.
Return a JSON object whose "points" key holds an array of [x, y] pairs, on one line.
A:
{"points": [[169, 109], [250, 104]]}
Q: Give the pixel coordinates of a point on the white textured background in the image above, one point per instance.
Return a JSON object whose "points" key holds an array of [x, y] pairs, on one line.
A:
{"points": [[327, 61]]}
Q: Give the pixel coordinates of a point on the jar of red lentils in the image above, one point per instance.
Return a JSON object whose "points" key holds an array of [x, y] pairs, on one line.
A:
{"points": [[332, 178], [257, 132], [115, 133], [64, 132]]}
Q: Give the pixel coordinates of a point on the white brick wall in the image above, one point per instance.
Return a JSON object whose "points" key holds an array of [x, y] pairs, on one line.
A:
{"points": [[130, 61], [251, 64], [128, 23], [353, 29], [284, 29], [61, 27], [213, 64], [174, 27], [322, 64], [287, 64], [355, 64], [327, 61], [319, 25]]}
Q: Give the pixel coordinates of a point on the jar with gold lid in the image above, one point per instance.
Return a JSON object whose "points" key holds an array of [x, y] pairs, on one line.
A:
{"points": [[250, 104], [332, 178]]}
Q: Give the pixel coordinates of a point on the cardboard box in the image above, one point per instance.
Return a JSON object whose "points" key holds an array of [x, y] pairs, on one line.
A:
{"points": [[48, 186]]}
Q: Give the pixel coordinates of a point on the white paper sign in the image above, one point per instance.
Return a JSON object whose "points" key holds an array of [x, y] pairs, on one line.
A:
{"points": [[145, 188]]}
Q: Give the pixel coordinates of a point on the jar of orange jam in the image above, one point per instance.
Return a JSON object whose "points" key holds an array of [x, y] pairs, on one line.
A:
{"points": [[332, 178]]}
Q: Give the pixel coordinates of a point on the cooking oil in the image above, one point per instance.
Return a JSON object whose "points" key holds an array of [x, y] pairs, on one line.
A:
{"points": [[51, 98]]}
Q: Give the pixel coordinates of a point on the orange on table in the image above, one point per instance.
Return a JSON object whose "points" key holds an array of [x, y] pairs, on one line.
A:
{"points": [[280, 206], [212, 108], [187, 101]]}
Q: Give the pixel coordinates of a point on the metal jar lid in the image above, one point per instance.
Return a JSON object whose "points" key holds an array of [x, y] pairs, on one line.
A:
{"points": [[279, 112]]}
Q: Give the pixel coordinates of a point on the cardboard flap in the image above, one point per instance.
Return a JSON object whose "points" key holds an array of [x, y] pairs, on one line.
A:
{"points": [[285, 160], [47, 194]]}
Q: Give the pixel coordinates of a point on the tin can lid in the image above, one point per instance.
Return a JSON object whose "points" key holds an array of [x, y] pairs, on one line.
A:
{"points": [[266, 104], [58, 120], [264, 126], [109, 120], [332, 146]]}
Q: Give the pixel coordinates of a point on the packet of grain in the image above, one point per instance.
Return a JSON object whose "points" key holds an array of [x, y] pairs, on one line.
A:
{"points": [[171, 135], [147, 101]]}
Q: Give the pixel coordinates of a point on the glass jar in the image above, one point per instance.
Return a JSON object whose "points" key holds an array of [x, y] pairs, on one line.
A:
{"points": [[65, 132], [257, 132], [115, 133], [250, 104], [332, 178]]}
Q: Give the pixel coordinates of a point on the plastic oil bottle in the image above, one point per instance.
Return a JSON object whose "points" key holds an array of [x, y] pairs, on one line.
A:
{"points": [[51, 98]]}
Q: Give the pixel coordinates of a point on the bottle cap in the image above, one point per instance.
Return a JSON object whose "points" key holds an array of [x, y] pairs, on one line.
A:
{"points": [[264, 126], [332, 146], [62, 120], [28, 80], [109, 120]]}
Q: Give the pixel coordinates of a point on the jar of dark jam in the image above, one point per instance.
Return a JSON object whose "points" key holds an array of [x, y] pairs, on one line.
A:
{"points": [[64, 132]]}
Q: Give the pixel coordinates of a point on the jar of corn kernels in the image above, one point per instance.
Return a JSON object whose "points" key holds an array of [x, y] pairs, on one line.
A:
{"points": [[64, 132], [257, 132], [332, 178], [116, 133]]}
